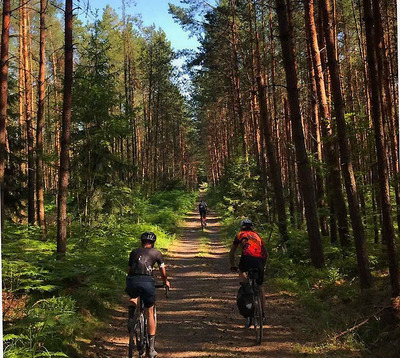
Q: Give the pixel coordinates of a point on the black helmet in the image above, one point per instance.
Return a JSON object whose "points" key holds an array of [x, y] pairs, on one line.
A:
{"points": [[148, 236], [246, 223]]}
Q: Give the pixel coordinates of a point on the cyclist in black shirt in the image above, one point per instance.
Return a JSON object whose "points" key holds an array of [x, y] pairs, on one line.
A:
{"points": [[203, 210], [140, 281]]}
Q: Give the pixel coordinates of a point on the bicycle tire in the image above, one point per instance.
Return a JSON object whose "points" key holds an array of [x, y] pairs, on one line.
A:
{"points": [[258, 318], [140, 335], [131, 344], [131, 330]]}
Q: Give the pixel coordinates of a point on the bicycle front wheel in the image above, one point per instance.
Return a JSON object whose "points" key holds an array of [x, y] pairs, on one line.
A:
{"points": [[258, 318]]}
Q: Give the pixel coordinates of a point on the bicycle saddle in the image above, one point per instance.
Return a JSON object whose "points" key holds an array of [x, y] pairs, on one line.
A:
{"points": [[253, 273]]}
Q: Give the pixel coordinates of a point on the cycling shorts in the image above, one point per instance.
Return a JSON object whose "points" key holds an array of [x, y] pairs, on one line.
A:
{"points": [[143, 286], [248, 262]]}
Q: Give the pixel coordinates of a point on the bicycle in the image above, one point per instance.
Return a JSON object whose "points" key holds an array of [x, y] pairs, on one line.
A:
{"points": [[257, 317], [137, 326]]}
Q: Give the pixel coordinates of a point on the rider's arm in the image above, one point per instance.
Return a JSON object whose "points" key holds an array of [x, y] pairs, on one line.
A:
{"points": [[265, 254], [161, 267], [164, 277], [130, 262]]}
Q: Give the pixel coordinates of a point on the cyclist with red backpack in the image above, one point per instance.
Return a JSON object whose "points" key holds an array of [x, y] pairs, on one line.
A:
{"points": [[254, 254]]}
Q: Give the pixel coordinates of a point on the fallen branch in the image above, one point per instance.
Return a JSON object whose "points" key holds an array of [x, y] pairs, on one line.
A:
{"points": [[361, 323]]}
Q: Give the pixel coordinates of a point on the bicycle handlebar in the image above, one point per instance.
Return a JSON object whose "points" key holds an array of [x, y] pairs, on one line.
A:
{"points": [[162, 286], [165, 287]]}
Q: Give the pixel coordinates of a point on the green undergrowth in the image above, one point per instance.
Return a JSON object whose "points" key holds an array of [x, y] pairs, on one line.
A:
{"points": [[328, 299], [52, 305]]}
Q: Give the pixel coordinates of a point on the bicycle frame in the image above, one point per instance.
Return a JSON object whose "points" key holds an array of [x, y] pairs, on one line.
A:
{"points": [[138, 327], [252, 276]]}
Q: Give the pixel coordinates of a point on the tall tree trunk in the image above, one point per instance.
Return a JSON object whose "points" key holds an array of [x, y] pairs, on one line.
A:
{"points": [[65, 133], [5, 32], [236, 84], [335, 192], [388, 230], [274, 165], [57, 118], [28, 120], [40, 120], [305, 175], [345, 155], [384, 75], [21, 87], [289, 165], [316, 143]]}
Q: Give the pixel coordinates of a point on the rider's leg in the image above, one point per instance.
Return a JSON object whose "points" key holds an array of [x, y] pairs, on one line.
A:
{"points": [[132, 306], [242, 277], [151, 323], [151, 330]]}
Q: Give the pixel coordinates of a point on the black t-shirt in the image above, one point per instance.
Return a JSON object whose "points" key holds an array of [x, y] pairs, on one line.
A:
{"points": [[202, 207], [142, 260]]}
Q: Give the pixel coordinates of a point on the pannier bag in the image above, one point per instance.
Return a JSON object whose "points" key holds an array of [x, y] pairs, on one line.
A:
{"points": [[245, 300]]}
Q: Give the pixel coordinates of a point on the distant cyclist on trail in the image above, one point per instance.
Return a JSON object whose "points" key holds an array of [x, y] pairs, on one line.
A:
{"points": [[254, 254], [203, 210], [140, 282]]}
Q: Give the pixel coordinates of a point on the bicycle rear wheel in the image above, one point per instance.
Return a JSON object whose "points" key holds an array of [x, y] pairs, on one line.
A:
{"points": [[131, 343], [140, 334], [258, 318], [131, 330]]}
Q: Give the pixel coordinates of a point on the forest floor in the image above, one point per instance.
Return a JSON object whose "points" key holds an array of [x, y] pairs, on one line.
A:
{"points": [[200, 317]]}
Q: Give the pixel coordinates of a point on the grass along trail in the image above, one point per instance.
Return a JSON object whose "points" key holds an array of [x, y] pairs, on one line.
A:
{"points": [[200, 317]]}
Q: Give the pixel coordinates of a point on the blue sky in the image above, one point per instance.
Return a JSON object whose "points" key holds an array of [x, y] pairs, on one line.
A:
{"points": [[153, 12]]}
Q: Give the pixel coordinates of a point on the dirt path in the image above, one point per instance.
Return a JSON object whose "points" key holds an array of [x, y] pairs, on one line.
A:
{"points": [[200, 319]]}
